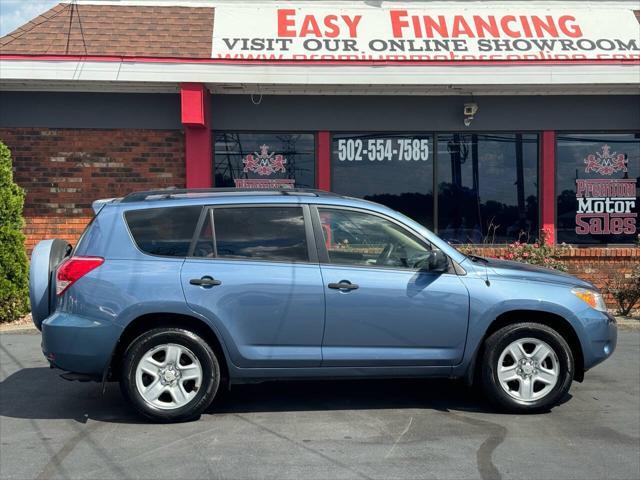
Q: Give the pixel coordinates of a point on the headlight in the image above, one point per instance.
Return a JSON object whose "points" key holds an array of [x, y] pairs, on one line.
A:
{"points": [[594, 299]]}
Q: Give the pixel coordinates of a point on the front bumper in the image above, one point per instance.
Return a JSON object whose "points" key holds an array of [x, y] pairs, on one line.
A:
{"points": [[601, 332], [79, 344]]}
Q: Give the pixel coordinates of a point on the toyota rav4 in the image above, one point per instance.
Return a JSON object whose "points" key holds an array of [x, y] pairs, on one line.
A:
{"points": [[177, 293]]}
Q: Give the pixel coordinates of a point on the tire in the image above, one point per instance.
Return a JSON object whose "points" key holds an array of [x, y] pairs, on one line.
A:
{"points": [[518, 375], [170, 375]]}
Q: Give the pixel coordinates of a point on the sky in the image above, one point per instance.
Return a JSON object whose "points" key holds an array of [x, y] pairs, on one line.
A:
{"points": [[14, 13]]}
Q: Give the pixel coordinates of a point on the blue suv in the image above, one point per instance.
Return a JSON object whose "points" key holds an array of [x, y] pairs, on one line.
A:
{"points": [[177, 293]]}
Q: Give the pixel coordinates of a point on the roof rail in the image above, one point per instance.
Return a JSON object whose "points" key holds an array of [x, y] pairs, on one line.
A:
{"points": [[173, 193]]}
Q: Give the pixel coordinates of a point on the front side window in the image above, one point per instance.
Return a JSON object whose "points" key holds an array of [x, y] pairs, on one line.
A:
{"points": [[597, 186], [358, 238], [255, 233], [264, 160], [393, 169], [487, 187], [163, 231]]}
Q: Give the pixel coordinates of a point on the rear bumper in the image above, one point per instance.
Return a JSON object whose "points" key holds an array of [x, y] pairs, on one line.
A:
{"points": [[601, 338], [79, 344]]}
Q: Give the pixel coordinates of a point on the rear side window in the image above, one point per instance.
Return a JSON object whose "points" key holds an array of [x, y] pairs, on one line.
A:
{"points": [[163, 231], [256, 233]]}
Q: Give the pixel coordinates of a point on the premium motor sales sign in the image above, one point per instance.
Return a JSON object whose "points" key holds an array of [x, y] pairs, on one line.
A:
{"points": [[459, 33]]}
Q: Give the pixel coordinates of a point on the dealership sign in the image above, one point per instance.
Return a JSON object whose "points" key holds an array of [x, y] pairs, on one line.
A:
{"points": [[264, 164], [460, 33], [606, 205]]}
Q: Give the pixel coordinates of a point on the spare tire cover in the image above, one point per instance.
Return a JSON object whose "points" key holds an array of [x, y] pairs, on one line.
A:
{"points": [[46, 256]]}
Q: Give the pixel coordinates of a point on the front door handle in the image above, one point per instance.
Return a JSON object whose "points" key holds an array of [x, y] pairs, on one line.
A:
{"points": [[343, 285], [205, 281]]}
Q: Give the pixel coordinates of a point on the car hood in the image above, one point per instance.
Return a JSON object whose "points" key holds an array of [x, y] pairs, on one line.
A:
{"points": [[524, 271]]}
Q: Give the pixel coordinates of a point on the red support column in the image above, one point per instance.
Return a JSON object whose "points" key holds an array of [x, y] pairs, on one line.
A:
{"points": [[548, 184], [323, 160], [195, 100]]}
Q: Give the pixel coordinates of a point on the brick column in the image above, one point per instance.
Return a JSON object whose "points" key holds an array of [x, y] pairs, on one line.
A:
{"points": [[548, 184], [195, 100]]}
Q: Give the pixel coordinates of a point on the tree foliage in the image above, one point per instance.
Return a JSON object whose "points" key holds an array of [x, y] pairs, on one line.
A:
{"points": [[14, 265]]}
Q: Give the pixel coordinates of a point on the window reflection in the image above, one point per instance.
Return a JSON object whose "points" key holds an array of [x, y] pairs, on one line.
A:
{"points": [[487, 187], [265, 233], [393, 169]]}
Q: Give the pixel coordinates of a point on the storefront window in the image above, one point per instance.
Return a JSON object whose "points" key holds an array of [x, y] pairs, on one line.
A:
{"points": [[264, 160], [393, 169], [487, 187], [597, 187]]}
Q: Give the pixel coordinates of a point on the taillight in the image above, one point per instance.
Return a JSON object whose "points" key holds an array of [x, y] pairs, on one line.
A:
{"points": [[73, 269]]}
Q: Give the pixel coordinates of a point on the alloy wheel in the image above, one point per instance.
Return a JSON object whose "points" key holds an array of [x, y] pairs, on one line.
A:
{"points": [[528, 369], [168, 376]]}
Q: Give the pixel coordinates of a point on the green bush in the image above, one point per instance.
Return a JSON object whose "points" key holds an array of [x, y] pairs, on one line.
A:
{"points": [[14, 265], [625, 289]]}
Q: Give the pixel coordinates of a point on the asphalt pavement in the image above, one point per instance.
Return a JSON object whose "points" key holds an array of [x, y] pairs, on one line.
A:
{"points": [[50, 428]]}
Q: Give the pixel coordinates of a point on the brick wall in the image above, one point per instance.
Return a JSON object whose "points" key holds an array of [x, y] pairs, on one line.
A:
{"points": [[594, 264], [64, 170]]}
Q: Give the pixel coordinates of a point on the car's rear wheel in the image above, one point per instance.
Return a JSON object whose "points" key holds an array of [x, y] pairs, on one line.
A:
{"points": [[526, 367], [170, 374]]}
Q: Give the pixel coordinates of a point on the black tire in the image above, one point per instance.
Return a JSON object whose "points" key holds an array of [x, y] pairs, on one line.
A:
{"points": [[198, 347], [496, 344]]}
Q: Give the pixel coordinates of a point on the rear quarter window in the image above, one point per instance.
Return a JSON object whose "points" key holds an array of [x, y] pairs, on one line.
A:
{"points": [[163, 231], [91, 236]]}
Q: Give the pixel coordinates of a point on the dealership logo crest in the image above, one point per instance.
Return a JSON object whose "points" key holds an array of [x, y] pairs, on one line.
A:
{"points": [[606, 162], [264, 163]]}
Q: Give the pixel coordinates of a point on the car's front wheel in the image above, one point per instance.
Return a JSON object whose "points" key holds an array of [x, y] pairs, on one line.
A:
{"points": [[170, 374], [526, 367]]}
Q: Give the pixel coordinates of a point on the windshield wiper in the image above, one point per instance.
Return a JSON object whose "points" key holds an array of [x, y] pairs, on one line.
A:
{"points": [[476, 259]]}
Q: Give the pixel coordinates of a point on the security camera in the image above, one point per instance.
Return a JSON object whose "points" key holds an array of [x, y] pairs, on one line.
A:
{"points": [[470, 110]]}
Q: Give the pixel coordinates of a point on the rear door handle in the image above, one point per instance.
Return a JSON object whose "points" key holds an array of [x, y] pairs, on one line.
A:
{"points": [[205, 281], [343, 285]]}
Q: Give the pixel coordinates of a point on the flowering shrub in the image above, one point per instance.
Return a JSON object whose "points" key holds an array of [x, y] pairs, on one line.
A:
{"points": [[537, 253], [625, 289]]}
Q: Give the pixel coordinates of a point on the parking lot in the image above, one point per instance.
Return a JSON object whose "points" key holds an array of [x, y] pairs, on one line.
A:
{"points": [[50, 428]]}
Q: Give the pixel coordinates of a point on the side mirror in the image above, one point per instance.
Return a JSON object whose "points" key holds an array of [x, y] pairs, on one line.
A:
{"points": [[437, 262]]}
